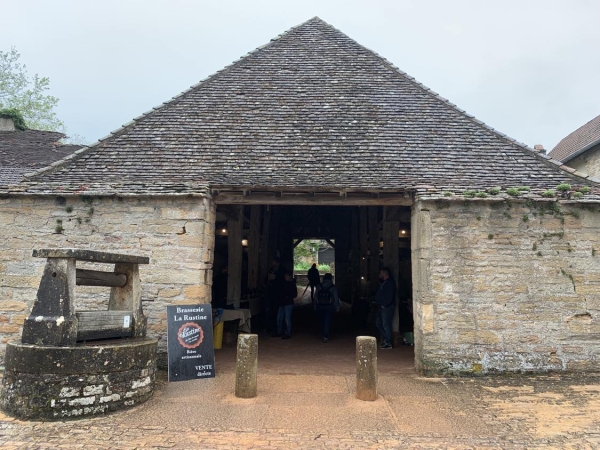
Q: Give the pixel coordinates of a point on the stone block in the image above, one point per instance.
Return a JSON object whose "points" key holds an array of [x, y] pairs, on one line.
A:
{"points": [[366, 368], [9, 305], [246, 366]]}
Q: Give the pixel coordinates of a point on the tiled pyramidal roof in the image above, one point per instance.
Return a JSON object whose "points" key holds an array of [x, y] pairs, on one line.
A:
{"points": [[582, 138], [311, 109]]}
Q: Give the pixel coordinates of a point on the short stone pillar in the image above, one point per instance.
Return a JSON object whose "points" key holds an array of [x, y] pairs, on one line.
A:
{"points": [[366, 368], [246, 366]]}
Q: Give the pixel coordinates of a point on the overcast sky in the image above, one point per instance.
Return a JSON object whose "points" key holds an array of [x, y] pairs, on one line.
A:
{"points": [[530, 69]]}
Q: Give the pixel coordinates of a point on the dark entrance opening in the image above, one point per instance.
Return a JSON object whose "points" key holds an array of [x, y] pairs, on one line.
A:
{"points": [[364, 239]]}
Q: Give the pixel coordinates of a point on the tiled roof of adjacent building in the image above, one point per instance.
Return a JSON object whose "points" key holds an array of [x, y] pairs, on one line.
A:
{"points": [[26, 151], [312, 109], [580, 140]]}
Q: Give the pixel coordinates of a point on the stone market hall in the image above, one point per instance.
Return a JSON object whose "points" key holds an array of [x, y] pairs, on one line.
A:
{"points": [[314, 136]]}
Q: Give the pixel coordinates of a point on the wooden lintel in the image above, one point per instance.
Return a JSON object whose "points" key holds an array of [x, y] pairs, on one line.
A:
{"points": [[331, 199]]}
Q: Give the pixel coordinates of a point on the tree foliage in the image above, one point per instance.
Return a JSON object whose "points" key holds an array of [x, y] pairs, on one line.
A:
{"points": [[16, 117], [28, 95]]}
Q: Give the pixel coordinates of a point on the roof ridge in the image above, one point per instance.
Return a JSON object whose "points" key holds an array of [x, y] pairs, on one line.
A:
{"points": [[80, 153]]}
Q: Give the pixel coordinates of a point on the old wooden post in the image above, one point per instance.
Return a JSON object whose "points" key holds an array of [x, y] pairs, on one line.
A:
{"points": [[264, 245], [234, 263], [373, 248], [246, 366], [391, 231], [366, 368], [364, 250], [254, 247]]}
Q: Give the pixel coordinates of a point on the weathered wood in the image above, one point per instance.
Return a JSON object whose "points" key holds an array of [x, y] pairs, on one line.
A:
{"points": [[104, 324], [391, 259], [355, 281], [363, 238], [90, 255], [234, 260], [98, 278], [274, 234], [254, 247], [330, 200], [373, 248], [264, 245]]}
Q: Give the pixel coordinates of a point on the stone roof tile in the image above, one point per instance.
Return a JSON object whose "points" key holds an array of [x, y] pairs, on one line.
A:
{"points": [[311, 109]]}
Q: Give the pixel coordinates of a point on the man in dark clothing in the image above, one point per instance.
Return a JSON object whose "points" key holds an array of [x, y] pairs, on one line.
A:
{"points": [[326, 303], [385, 299], [275, 280], [289, 292], [313, 280]]}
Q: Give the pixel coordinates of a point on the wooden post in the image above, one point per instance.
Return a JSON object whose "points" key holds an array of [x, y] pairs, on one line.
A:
{"points": [[366, 368], [391, 228], [264, 245], [253, 248], [373, 248], [274, 234], [234, 262], [246, 366], [363, 237], [355, 256]]}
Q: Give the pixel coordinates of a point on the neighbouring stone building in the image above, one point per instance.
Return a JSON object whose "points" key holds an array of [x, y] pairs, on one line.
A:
{"points": [[315, 136], [581, 149], [23, 151]]}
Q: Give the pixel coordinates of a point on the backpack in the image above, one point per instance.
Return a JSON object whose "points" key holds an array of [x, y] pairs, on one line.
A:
{"points": [[325, 297]]}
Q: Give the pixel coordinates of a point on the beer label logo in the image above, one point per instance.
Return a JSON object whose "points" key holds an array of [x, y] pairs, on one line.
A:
{"points": [[190, 335]]}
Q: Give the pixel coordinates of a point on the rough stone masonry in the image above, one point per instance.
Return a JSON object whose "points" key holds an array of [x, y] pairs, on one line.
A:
{"points": [[177, 233], [506, 286]]}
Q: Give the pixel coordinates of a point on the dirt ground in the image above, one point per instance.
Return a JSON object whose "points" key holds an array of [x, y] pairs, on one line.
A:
{"points": [[306, 400]]}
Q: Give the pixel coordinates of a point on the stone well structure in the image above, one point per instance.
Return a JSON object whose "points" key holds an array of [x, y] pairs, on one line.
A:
{"points": [[60, 369]]}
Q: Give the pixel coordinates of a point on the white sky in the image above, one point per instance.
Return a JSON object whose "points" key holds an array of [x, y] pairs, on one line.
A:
{"points": [[529, 68]]}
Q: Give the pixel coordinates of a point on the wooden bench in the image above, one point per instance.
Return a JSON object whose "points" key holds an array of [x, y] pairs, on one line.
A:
{"points": [[53, 319]]}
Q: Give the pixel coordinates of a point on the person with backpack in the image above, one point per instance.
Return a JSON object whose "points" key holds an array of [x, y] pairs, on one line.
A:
{"points": [[314, 279], [326, 303]]}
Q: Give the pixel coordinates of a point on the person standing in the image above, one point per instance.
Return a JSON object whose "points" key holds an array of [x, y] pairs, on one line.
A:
{"points": [[275, 281], [385, 299], [326, 303], [289, 292], [314, 279]]}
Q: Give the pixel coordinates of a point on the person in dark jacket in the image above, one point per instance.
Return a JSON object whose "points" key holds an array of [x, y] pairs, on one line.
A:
{"points": [[385, 299], [326, 303], [289, 292], [314, 280], [274, 283]]}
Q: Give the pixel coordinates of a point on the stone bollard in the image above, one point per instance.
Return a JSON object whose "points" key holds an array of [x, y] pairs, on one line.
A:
{"points": [[366, 368], [246, 366]]}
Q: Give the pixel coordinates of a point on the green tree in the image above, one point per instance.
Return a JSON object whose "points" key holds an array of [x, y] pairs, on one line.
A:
{"points": [[305, 249], [27, 94]]}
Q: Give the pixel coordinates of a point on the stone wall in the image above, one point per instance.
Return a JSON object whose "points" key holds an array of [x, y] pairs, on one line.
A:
{"points": [[588, 163], [506, 286], [177, 233]]}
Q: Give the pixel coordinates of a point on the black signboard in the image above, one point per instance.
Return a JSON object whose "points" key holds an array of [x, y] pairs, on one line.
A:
{"points": [[190, 342]]}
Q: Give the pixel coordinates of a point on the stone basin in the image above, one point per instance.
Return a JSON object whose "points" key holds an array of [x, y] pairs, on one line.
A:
{"points": [[67, 382]]}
